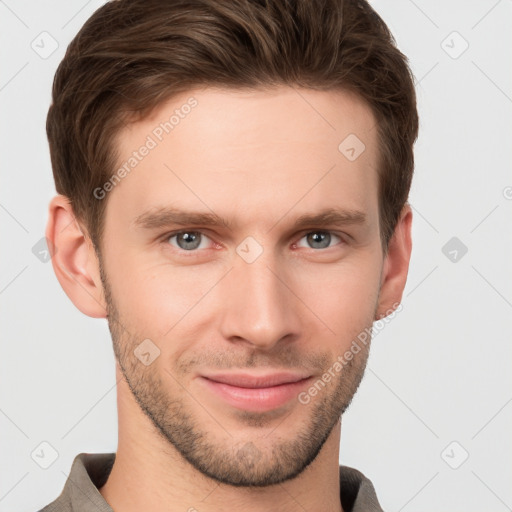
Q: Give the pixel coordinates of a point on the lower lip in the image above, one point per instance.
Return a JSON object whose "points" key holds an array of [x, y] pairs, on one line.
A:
{"points": [[256, 399]]}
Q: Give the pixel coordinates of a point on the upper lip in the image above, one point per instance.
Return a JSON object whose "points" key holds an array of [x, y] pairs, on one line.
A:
{"points": [[246, 380]]}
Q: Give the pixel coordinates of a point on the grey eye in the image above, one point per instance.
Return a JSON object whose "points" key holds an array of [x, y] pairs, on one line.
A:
{"points": [[319, 239], [187, 240]]}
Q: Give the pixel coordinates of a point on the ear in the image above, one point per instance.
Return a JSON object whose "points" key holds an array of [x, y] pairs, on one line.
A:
{"points": [[74, 259], [396, 265]]}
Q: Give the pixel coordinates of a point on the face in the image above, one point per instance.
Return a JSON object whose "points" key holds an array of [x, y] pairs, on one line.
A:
{"points": [[230, 292]]}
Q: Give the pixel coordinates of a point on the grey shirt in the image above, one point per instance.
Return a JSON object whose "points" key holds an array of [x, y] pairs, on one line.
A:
{"points": [[90, 471]]}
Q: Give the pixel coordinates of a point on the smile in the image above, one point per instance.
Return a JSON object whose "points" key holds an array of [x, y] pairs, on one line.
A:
{"points": [[256, 392]]}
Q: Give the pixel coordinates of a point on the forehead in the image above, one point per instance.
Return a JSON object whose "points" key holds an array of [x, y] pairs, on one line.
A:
{"points": [[262, 151]]}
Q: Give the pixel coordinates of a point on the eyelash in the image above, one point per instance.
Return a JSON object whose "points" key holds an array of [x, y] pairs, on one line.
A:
{"points": [[196, 252]]}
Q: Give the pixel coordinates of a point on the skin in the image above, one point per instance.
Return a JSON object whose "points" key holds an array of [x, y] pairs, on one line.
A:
{"points": [[259, 159]]}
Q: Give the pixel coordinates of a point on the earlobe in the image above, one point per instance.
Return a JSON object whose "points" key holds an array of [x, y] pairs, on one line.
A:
{"points": [[396, 265], [74, 260]]}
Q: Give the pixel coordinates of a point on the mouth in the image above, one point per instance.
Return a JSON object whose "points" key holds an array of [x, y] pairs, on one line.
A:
{"points": [[255, 392]]}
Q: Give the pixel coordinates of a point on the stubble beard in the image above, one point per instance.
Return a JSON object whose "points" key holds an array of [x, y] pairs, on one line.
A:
{"points": [[239, 462]]}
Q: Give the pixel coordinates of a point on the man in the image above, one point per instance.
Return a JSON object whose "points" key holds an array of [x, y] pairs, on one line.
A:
{"points": [[233, 180]]}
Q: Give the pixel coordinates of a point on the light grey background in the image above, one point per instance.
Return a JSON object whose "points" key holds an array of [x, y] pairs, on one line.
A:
{"points": [[438, 382]]}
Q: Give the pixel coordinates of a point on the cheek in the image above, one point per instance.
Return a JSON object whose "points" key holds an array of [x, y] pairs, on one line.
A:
{"points": [[342, 295], [163, 301], [157, 300]]}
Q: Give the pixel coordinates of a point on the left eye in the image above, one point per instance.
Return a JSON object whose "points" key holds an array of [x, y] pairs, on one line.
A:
{"points": [[192, 240], [320, 239]]}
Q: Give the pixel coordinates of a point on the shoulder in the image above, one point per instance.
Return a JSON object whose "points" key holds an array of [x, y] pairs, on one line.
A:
{"points": [[357, 492], [88, 473]]}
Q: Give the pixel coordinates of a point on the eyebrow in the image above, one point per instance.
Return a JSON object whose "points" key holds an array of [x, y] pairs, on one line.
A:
{"points": [[166, 216]]}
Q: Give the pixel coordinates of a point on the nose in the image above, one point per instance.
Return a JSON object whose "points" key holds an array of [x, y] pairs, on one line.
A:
{"points": [[258, 306]]}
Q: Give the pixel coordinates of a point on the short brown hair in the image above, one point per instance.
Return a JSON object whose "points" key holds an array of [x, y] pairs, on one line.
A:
{"points": [[132, 55]]}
